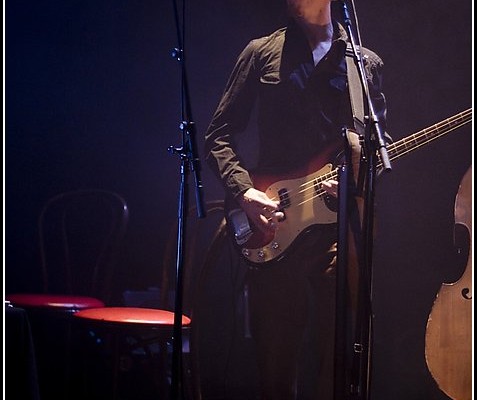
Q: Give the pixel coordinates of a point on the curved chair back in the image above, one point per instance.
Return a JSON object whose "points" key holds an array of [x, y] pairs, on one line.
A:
{"points": [[80, 234], [200, 236]]}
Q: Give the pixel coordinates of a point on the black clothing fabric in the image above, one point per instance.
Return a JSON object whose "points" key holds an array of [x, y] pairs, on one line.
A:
{"points": [[301, 108]]}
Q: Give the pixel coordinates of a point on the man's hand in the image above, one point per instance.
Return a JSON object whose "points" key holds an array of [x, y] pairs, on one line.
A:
{"points": [[261, 210], [330, 187]]}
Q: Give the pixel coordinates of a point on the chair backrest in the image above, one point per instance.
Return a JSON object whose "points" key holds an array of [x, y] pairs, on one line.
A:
{"points": [[80, 234], [199, 244]]}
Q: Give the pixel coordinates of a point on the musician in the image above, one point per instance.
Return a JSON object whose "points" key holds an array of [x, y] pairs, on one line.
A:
{"points": [[296, 80]]}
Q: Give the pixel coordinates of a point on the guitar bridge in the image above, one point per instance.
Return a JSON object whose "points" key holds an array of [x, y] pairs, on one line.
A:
{"points": [[240, 225]]}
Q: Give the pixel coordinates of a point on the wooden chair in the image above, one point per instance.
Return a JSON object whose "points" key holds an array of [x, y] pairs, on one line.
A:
{"points": [[80, 235]]}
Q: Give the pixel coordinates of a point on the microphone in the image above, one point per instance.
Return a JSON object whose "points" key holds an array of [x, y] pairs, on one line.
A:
{"points": [[344, 8]]}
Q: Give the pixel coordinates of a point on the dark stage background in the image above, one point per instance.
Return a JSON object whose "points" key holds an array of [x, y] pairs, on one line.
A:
{"points": [[92, 100]]}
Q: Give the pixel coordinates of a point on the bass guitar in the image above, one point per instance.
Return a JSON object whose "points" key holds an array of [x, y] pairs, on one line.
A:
{"points": [[304, 201]]}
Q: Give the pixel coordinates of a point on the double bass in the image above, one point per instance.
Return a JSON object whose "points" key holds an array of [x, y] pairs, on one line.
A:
{"points": [[448, 347]]}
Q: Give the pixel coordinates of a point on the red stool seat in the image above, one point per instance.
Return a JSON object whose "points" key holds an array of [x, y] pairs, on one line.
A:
{"points": [[131, 315], [127, 332], [54, 301]]}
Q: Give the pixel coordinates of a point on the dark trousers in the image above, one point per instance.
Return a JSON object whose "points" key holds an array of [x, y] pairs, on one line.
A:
{"points": [[292, 316]]}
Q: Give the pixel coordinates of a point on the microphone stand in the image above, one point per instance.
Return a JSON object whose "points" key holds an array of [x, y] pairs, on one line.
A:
{"points": [[189, 162], [341, 274], [372, 143]]}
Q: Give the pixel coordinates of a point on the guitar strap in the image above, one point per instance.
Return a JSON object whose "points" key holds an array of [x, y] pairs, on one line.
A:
{"points": [[355, 91], [356, 99], [357, 109]]}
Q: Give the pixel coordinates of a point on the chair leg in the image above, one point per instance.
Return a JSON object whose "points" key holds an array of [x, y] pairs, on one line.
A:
{"points": [[124, 364], [116, 358], [67, 360]]}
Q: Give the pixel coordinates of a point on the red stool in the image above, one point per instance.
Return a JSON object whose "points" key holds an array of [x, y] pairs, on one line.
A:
{"points": [[50, 316], [131, 328], [54, 302]]}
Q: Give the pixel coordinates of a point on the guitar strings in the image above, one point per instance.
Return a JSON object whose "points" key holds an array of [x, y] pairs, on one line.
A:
{"points": [[395, 150]]}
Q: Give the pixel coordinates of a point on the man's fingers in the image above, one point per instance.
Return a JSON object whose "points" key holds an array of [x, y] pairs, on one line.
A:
{"points": [[330, 187]]}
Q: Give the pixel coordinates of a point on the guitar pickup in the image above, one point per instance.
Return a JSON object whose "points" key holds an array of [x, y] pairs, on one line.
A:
{"points": [[318, 186], [284, 198], [284, 202]]}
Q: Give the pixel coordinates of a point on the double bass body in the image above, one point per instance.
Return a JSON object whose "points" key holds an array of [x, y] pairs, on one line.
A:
{"points": [[449, 328]]}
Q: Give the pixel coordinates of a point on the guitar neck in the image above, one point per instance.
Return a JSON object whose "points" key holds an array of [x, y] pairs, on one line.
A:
{"points": [[418, 139]]}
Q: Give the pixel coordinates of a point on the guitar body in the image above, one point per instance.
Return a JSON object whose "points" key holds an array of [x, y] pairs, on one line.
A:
{"points": [[302, 203]]}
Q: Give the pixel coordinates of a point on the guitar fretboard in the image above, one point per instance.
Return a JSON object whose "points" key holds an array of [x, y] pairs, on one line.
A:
{"points": [[411, 142], [418, 139]]}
